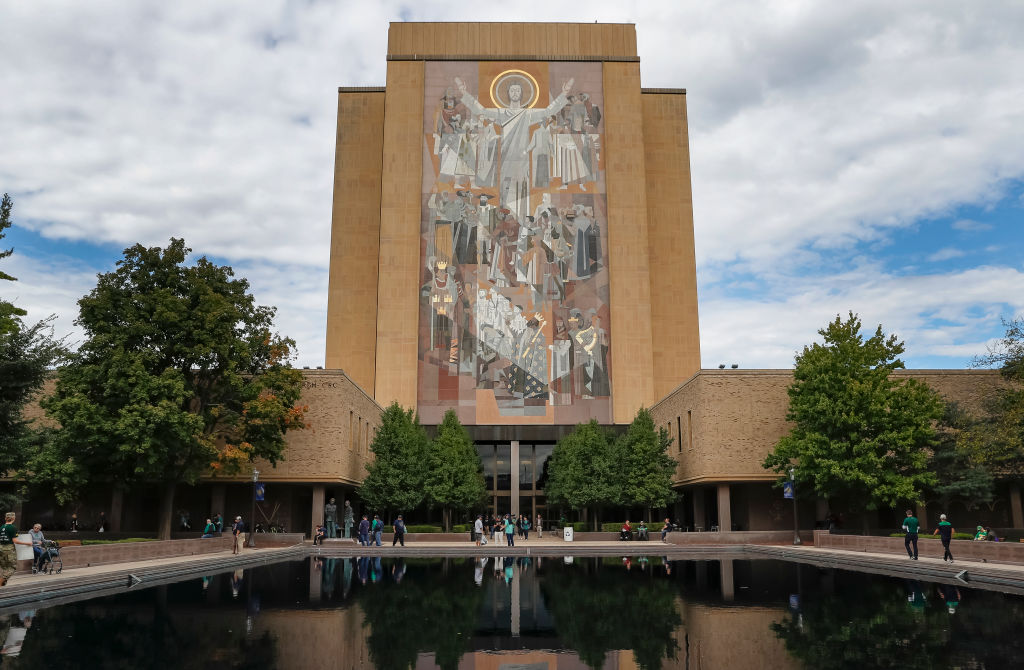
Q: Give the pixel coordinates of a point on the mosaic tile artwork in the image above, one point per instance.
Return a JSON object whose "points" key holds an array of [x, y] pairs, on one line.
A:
{"points": [[514, 320]]}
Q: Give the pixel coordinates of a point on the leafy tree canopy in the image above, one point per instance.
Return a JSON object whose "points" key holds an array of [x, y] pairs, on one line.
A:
{"points": [[648, 466], [996, 440], [180, 373], [859, 435], [454, 476], [394, 480], [585, 468], [959, 478], [27, 352]]}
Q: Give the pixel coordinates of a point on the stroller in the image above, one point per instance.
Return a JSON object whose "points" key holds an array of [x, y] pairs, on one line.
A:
{"points": [[49, 560]]}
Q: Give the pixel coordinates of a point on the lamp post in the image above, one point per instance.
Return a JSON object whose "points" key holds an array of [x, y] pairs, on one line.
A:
{"points": [[796, 525], [252, 516]]}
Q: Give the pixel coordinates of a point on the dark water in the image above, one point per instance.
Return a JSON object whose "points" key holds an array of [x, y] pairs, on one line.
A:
{"points": [[526, 614]]}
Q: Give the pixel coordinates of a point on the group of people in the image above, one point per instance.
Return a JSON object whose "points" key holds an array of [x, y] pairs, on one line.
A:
{"points": [[370, 531], [508, 525], [945, 531]]}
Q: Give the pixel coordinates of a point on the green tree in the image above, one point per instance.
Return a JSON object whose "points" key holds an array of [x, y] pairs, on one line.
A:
{"points": [[27, 352], [454, 477], [180, 374], [996, 439], [648, 466], [958, 477], [860, 436], [585, 470], [394, 480]]}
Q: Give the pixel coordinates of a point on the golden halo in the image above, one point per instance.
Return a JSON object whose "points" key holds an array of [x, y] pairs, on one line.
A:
{"points": [[515, 76]]}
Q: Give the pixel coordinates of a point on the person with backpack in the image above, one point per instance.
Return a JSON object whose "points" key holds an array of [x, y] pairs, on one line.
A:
{"points": [[399, 527], [526, 527], [376, 528], [510, 532]]}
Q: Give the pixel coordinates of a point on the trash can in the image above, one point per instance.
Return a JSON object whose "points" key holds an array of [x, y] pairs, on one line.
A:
{"points": [[567, 533], [22, 552]]}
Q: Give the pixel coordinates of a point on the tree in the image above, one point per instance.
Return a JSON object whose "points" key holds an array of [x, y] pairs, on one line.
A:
{"points": [[454, 477], [180, 375], [860, 436], [585, 469], [394, 480], [649, 468], [959, 477], [996, 440], [27, 352]]}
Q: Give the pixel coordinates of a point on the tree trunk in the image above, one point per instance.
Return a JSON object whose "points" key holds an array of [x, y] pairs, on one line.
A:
{"points": [[597, 519], [166, 517], [446, 518], [865, 523], [649, 513]]}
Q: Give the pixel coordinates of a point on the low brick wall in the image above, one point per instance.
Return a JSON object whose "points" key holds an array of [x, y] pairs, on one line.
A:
{"points": [[100, 554], [927, 545]]}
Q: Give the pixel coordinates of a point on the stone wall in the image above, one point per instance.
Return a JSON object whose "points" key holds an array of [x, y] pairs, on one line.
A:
{"points": [[724, 422], [931, 547]]}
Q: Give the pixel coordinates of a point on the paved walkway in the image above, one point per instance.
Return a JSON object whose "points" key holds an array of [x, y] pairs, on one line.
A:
{"points": [[93, 581]]}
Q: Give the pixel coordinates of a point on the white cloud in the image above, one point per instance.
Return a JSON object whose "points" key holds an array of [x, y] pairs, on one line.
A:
{"points": [[946, 254], [813, 127], [945, 315], [970, 226]]}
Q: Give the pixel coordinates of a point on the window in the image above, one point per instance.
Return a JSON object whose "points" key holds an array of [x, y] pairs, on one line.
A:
{"points": [[504, 467], [679, 431], [486, 452], [526, 471]]}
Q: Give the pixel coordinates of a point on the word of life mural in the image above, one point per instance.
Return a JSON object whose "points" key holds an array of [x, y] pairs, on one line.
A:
{"points": [[514, 323]]}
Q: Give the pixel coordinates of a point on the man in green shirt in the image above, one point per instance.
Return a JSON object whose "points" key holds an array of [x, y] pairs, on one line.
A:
{"points": [[910, 526]]}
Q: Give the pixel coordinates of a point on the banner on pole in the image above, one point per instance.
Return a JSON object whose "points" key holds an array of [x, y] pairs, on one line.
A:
{"points": [[259, 492], [788, 489]]}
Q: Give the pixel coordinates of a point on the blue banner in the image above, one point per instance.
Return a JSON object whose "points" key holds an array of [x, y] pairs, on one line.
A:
{"points": [[259, 493], [788, 489]]}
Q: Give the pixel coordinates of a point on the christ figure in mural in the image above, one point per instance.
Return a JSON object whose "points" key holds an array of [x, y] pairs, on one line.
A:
{"points": [[515, 121]]}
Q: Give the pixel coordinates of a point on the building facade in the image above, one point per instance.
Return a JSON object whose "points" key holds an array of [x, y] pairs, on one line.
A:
{"points": [[512, 237]]}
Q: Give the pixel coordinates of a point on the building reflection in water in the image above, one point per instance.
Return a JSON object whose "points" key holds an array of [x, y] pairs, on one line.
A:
{"points": [[505, 613]]}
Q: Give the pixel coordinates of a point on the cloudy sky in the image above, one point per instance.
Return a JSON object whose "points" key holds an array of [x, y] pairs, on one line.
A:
{"points": [[862, 156]]}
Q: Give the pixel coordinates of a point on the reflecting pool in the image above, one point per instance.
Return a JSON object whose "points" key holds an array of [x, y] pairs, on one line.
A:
{"points": [[526, 614]]}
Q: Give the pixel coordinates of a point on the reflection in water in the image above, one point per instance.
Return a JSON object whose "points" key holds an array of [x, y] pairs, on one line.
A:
{"points": [[875, 622], [505, 612]]}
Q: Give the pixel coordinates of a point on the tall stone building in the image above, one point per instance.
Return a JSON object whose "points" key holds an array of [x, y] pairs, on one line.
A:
{"points": [[512, 237]]}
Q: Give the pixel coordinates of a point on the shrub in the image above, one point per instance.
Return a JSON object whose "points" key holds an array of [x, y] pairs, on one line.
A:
{"points": [[461, 527], [615, 527], [423, 529], [579, 526]]}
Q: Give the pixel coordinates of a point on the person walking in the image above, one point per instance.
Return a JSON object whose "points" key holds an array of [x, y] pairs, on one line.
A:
{"points": [[376, 528], [364, 532], [510, 532], [910, 526], [945, 532], [238, 530], [399, 527], [8, 556]]}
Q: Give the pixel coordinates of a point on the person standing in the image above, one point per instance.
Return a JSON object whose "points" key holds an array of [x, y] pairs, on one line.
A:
{"points": [[910, 526], [377, 527], [349, 519], [510, 532], [540, 527], [218, 519], [364, 532], [331, 518], [238, 531], [399, 528], [945, 532], [478, 529], [526, 527]]}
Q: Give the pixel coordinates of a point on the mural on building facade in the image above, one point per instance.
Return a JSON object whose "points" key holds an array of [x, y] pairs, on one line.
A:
{"points": [[514, 313]]}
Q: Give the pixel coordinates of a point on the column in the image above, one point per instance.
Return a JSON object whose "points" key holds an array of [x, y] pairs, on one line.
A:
{"points": [[821, 511], [116, 509], [699, 517], [318, 505], [724, 508], [728, 582], [514, 609], [1016, 514], [514, 469]]}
